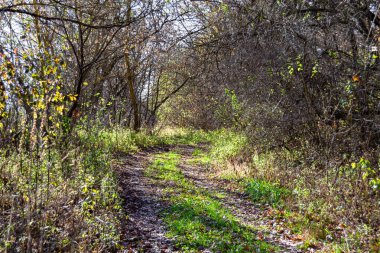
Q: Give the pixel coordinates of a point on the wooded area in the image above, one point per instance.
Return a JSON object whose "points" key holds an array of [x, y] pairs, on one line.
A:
{"points": [[279, 98]]}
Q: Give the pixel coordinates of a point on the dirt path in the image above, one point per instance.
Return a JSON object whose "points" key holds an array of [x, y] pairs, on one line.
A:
{"points": [[145, 231]]}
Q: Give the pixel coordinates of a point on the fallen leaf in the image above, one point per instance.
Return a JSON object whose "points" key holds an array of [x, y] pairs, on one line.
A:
{"points": [[298, 238]]}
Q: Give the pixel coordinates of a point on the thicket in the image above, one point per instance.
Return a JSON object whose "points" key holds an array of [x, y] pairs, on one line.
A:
{"points": [[58, 198]]}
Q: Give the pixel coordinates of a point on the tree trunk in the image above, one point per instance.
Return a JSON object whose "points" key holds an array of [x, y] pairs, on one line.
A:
{"points": [[130, 77]]}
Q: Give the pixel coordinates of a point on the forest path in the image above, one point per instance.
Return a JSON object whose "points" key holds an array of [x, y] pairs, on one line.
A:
{"points": [[144, 230], [174, 204]]}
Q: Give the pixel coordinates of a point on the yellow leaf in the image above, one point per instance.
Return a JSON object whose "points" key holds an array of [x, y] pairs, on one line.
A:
{"points": [[40, 105], [58, 97], [356, 78], [59, 109], [72, 97]]}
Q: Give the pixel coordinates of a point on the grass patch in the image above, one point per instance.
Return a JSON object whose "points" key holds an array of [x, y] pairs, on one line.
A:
{"points": [[199, 222], [265, 192], [172, 136], [127, 141], [164, 168], [226, 144], [200, 157], [119, 139], [196, 218]]}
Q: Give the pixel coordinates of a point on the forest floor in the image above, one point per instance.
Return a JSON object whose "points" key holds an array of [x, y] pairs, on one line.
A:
{"points": [[175, 203]]}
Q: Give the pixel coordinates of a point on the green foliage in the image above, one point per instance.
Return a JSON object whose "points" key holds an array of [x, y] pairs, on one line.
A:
{"points": [[333, 54], [223, 143], [314, 70], [224, 7], [371, 175], [231, 111]]}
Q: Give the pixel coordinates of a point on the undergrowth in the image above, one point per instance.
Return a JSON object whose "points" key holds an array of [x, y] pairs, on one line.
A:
{"points": [[65, 200]]}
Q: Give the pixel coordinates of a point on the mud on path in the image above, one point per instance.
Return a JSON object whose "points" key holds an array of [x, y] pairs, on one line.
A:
{"points": [[144, 230]]}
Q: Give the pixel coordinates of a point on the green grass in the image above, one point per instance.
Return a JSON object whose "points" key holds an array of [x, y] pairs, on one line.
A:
{"points": [[226, 144], [119, 139], [164, 168], [183, 136], [127, 141], [265, 192], [200, 157], [196, 218]]}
